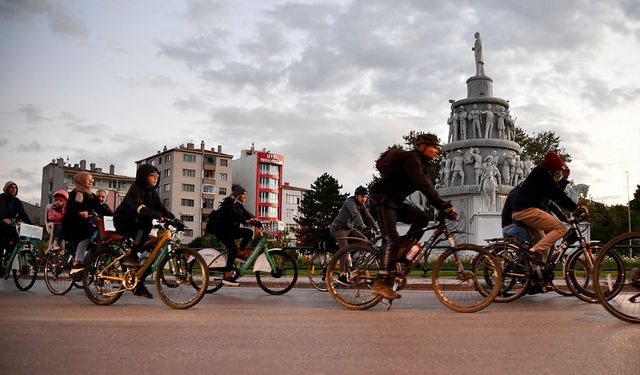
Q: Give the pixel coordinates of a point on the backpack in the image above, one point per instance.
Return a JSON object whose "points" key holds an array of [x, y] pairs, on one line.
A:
{"points": [[388, 159], [213, 221], [326, 242]]}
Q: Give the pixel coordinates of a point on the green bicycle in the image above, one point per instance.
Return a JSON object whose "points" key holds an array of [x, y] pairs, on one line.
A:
{"points": [[276, 271], [21, 261]]}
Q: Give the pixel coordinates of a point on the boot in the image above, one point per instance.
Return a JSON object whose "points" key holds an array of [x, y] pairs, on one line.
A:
{"points": [[381, 288], [142, 291], [131, 260]]}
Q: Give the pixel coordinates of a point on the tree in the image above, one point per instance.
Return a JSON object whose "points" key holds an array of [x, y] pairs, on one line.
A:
{"points": [[635, 202], [318, 207], [610, 221], [538, 145]]}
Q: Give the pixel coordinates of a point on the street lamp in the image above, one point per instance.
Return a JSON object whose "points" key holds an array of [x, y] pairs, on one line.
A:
{"points": [[628, 210]]}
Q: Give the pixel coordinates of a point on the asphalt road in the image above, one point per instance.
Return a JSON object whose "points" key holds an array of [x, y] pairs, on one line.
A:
{"points": [[246, 331]]}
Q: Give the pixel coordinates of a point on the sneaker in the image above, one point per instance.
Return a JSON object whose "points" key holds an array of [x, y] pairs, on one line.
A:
{"points": [[535, 257], [142, 291], [55, 246], [381, 288], [229, 282], [76, 268], [342, 280], [131, 260]]}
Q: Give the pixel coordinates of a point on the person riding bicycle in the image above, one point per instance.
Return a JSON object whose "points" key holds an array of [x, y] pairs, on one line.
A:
{"points": [[230, 216], [102, 197], [352, 219], [55, 213], [528, 203], [408, 174], [134, 218], [10, 208], [77, 227]]}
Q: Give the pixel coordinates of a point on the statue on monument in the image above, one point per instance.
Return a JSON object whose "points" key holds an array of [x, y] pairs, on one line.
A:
{"points": [[489, 184], [510, 126], [447, 170], [477, 163], [474, 116], [477, 49], [527, 166], [451, 130], [462, 120], [506, 167], [500, 125], [488, 133], [458, 168], [517, 175]]}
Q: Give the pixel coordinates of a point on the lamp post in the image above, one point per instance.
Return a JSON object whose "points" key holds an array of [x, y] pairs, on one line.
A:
{"points": [[628, 209]]}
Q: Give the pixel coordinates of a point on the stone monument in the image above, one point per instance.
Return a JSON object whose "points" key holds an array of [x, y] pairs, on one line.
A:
{"points": [[483, 161]]}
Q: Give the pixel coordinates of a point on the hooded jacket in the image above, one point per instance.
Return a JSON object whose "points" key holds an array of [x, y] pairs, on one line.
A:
{"points": [[231, 214], [408, 175], [141, 205], [11, 207], [74, 226]]}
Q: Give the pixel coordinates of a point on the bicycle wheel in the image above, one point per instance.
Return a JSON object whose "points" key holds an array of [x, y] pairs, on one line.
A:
{"points": [[56, 273], [579, 272], [318, 270], [96, 279], [565, 292], [361, 274], [182, 278], [619, 290], [281, 279], [457, 274], [516, 273], [25, 276]]}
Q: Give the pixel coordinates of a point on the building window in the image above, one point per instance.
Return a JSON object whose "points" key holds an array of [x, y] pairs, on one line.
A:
{"points": [[224, 162], [210, 189], [222, 191], [189, 158], [207, 203], [167, 158], [166, 187], [269, 183], [266, 197], [189, 172], [266, 211], [187, 202], [270, 169], [188, 187], [167, 172], [209, 174], [223, 177], [188, 232], [165, 202], [152, 162], [208, 159], [290, 213], [186, 218], [292, 199], [118, 185]]}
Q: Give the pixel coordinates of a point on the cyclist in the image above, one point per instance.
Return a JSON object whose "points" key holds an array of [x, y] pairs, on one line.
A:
{"points": [[352, 218], [134, 218], [102, 197], [545, 182], [55, 213], [409, 173], [230, 216], [10, 208], [77, 227]]}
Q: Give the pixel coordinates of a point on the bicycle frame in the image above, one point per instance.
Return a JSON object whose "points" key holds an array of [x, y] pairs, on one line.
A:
{"points": [[13, 261], [252, 260]]}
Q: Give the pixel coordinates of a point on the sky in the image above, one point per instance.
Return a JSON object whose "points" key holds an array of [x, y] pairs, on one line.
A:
{"points": [[327, 84]]}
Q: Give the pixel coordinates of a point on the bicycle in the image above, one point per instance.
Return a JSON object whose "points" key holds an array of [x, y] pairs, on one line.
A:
{"points": [[521, 275], [58, 263], [276, 271], [619, 290], [21, 261], [453, 278], [179, 275]]}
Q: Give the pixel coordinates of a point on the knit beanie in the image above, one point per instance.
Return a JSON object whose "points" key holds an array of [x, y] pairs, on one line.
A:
{"points": [[9, 183], [237, 189], [553, 162]]}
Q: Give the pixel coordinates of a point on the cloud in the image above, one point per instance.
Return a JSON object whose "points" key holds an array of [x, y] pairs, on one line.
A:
{"points": [[62, 19], [3, 142], [34, 146], [155, 81], [197, 51], [193, 103], [32, 113]]}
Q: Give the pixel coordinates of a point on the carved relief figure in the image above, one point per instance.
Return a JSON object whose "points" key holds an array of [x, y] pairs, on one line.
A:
{"points": [[488, 133], [500, 126], [512, 166], [527, 166], [450, 123], [479, 56], [509, 125], [519, 172], [488, 185], [462, 119], [477, 163], [447, 170], [506, 177], [454, 120], [458, 168], [474, 116]]}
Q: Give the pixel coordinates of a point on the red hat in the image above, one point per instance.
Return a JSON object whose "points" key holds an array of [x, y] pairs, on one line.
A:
{"points": [[553, 162]]}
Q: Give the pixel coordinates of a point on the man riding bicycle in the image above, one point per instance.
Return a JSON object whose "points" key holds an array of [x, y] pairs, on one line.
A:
{"points": [[408, 174]]}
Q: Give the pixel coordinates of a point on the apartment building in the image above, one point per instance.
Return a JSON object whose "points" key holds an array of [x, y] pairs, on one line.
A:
{"points": [[193, 181], [59, 175], [291, 197]]}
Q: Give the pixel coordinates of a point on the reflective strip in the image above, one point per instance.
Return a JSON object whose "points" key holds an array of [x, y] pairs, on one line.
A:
{"points": [[140, 207]]}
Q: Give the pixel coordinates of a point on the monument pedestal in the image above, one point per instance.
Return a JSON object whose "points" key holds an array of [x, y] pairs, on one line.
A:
{"points": [[486, 225]]}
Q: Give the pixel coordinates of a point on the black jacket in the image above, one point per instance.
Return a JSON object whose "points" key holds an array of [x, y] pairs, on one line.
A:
{"points": [[11, 207], [140, 206], [538, 188], [74, 226], [507, 209], [231, 214], [409, 174]]}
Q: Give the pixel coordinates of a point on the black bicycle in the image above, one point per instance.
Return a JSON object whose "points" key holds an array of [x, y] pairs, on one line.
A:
{"points": [[458, 274]]}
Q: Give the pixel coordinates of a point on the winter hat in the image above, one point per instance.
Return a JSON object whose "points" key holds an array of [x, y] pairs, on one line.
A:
{"points": [[553, 162], [427, 139], [237, 189], [9, 183], [62, 194], [361, 190]]}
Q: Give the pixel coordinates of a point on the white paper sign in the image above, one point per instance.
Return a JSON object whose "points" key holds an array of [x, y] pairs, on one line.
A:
{"points": [[30, 231], [108, 224]]}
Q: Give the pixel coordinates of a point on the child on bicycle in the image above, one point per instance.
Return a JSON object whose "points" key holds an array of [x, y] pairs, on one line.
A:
{"points": [[55, 215], [352, 218], [231, 215], [77, 226], [134, 217], [10, 208]]}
